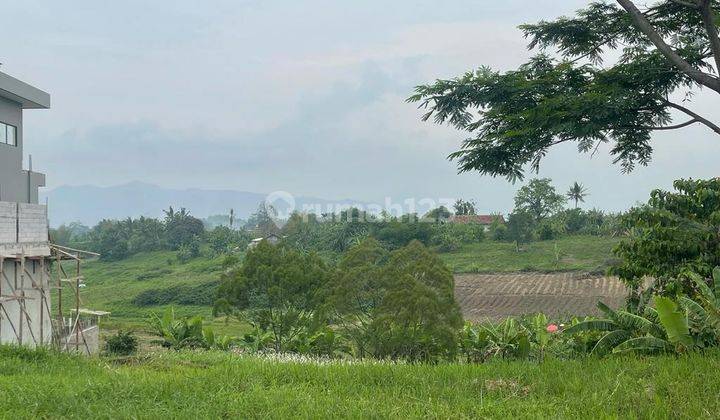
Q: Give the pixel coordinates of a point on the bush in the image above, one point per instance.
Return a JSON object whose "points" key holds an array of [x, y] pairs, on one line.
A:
{"points": [[675, 233], [188, 251], [548, 229], [202, 295], [446, 242], [123, 343]]}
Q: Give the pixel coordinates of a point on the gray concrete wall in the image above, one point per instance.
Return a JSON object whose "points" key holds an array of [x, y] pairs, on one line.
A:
{"points": [[11, 156], [23, 223], [15, 183]]}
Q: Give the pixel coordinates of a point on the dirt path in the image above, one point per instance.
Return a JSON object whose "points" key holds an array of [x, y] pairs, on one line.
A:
{"points": [[494, 296]]}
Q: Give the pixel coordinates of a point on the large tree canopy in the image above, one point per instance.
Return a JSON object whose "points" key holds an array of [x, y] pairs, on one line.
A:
{"points": [[661, 52]]}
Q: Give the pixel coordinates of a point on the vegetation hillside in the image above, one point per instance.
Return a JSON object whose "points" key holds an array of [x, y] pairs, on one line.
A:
{"points": [[134, 287]]}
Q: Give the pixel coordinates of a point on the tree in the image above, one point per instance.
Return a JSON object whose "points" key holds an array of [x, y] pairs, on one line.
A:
{"points": [[356, 291], [520, 228], [577, 193], [668, 49], [276, 290], [418, 317], [263, 220], [463, 207], [676, 233], [438, 214], [539, 199], [181, 228], [223, 239]]}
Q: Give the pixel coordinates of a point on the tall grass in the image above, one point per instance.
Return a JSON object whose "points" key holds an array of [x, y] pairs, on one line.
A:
{"points": [[213, 384], [569, 253]]}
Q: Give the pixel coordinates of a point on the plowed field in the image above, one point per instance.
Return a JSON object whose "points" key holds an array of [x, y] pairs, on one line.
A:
{"points": [[494, 296]]}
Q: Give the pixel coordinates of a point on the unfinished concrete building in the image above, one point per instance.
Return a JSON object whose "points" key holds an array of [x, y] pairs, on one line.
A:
{"points": [[31, 268]]}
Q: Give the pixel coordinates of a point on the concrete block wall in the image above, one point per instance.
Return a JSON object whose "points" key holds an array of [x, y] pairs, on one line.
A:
{"points": [[23, 223]]}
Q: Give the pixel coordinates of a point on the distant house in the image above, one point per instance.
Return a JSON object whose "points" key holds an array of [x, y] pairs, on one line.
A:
{"points": [[271, 238], [486, 220]]}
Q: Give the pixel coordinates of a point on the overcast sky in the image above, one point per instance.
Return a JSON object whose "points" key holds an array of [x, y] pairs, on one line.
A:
{"points": [[301, 96]]}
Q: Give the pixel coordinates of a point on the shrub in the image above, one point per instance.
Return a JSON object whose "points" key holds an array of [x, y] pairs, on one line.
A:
{"points": [[277, 288], [676, 232], [548, 229], [446, 242], [405, 302], [189, 250], [123, 343], [201, 294]]}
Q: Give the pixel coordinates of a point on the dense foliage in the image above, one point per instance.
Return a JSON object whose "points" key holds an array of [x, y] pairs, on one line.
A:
{"points": [[122, 343], [397, 305], [178, 231], [676, 233], [617, 70]]}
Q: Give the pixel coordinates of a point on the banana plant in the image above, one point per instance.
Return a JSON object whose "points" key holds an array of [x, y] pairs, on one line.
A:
{"points": [[177, 333], [704, 312], [509, 339], [661, 329]]}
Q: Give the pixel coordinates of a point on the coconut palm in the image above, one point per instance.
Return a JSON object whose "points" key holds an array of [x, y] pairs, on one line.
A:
{"points": [[577, 193]]}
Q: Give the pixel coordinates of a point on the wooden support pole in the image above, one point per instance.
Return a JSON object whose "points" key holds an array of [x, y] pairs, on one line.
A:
{"points": [[42, 300], [22, 294], [77, 303]]}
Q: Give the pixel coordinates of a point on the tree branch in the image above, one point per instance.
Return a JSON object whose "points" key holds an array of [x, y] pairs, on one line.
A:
{"points": [[695, 116], [708, 18], [665, 127], [641, 22], [690, 4]]}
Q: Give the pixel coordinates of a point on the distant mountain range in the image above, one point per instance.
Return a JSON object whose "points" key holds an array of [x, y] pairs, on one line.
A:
{"points": [[90, 204]]}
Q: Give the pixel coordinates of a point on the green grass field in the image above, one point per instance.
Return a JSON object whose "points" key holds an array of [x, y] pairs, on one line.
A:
{"points": [[570, 253], [112, 286], [223, 385]]}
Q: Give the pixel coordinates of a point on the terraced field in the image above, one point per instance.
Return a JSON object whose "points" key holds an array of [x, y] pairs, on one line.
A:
{"points": [[495, 296]]}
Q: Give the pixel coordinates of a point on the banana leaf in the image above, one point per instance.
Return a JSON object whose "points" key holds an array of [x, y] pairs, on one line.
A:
{"points": [[647, 344], [674, 321]]}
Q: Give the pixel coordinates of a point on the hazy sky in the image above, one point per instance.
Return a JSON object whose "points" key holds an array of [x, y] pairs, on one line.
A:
{"points": [[302, 96]]}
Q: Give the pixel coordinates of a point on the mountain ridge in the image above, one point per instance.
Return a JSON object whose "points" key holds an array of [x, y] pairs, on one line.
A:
{"points": [[89, 204]]}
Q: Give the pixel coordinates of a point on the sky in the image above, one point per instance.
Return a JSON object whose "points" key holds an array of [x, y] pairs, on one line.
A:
{"points": [[301, 96]]}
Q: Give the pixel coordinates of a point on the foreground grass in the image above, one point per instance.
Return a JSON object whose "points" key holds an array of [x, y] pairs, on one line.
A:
{"points": [[213, 385], [570, 253]]}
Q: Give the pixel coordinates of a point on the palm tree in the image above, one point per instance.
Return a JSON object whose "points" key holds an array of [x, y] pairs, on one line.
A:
{"points": [[577, 193]]}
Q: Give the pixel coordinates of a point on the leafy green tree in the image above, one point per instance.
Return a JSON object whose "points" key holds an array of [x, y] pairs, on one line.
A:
{"points": [[463, 208], [618, 66], [181, 228], [223, 239], [146, 235], [263, 221], [110, 239], [539, 199], [356, 290], [418, 317], [438, 215], [520, 227], [398, 305], [577, 193], [276, 290], [677, 232]]}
